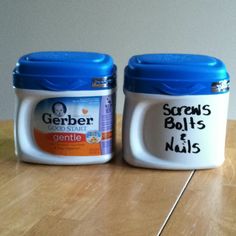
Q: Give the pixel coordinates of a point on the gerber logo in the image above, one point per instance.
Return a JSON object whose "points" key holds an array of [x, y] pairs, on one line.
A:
{"points": [[59, 109], [59, 117]]}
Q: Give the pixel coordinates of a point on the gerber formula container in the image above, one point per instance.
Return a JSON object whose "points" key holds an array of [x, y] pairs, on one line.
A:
{"points": [[65, 107], [175, 111]]}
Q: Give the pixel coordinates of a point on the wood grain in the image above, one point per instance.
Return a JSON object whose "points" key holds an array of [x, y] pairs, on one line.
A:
{"points": [[110, 199], [208, 206]]}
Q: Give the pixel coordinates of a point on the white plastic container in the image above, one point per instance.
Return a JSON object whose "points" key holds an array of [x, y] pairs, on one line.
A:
{"points": [[175, 111], [65, 108]]}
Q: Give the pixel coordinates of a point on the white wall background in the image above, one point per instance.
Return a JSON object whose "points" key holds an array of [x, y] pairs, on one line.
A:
{"points": [[121, 28]]}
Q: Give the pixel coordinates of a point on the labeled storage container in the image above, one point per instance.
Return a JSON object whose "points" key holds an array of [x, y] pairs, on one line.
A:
{"points": [[65, 107], [175, 111]]}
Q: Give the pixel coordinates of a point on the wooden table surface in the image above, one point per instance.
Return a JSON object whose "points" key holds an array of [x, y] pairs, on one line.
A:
{"points": [[115, 198]]}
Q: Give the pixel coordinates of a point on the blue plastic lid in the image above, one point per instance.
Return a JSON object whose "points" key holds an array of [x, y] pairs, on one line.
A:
{"points": [[176, 74], [62, 71]]}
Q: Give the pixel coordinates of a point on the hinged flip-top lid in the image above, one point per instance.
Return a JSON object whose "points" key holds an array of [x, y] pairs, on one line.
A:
{"points": [[176, 74], [60, 71]]}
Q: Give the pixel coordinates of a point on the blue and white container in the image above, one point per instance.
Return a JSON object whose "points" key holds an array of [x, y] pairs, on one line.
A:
{"points": [[175, 111], [65, 107]]}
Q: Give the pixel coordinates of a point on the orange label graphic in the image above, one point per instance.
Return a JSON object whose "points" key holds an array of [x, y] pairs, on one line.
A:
{"points": [[66, 144]]}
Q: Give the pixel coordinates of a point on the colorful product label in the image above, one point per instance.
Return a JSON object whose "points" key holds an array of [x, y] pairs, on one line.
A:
{"points": [[75, 126]]}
